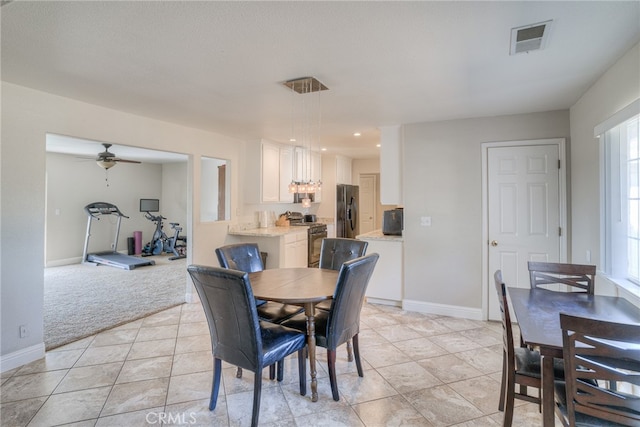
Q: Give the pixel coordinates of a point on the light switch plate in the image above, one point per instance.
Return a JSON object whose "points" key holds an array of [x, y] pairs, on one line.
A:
{"points": [[425, 221]]}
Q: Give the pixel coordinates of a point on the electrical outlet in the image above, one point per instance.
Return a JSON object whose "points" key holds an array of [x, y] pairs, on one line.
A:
{"points": [[24, 331]]}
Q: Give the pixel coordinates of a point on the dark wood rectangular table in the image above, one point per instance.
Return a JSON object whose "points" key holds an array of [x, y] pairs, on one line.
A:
{"points": [[538, 314], [300, 286]]}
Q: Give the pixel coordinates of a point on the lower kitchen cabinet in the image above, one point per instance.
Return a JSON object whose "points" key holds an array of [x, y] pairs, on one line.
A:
{"points": [[387, 282], [295, 250], [285, 247]]}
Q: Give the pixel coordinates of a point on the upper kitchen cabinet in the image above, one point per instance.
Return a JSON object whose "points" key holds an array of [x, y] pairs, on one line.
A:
{"points": [[343, 170], [391, 165], [269, 169]]}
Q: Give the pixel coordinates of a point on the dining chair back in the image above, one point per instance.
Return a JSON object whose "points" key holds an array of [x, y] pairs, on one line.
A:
{"points": [[237, 335], [602, 368], [549, 275], [334, 251], [242, 256], [520, 365], [342, 323], [246, 257]]}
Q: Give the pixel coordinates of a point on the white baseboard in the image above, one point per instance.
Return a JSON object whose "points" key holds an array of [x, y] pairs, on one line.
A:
{"points": [[61, 262], [384, 301], [443, 309], [21, 357]]}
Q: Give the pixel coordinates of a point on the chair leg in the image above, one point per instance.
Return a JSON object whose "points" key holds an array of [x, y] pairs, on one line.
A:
{"points": [[239, 372], [511, 389], [302, 370], [215, 388], [331, 362], [349, 351], [272, 371], [257, 390], [356, 352], [280, 368], [503, 382]]}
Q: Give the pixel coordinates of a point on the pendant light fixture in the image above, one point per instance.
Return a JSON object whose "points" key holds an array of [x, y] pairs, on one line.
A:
{"points": [[305, 132]]}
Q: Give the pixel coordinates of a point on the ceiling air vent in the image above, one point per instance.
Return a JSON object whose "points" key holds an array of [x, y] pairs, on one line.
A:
{"points": [[530, 37]]}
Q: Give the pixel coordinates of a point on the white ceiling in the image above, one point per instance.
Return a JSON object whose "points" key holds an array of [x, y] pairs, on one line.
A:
{"points": [[219, 65]]}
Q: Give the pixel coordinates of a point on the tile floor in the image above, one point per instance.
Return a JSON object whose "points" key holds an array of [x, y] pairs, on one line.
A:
{"points": [[420, 370]]}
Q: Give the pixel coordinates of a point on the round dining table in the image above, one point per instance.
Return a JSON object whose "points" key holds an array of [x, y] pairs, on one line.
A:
{"points": [[299, 286]]}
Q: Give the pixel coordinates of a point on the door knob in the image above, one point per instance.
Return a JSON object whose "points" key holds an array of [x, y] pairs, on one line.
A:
{"points": [[494, 243]]}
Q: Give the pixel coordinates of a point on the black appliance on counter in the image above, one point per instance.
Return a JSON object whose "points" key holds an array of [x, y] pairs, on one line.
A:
{"points": [[347, 211], [392, 222], [316, 232]]}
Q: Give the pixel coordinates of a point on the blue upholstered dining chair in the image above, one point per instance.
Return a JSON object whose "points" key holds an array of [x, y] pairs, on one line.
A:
{"points": [[238, 336], [342, 322], [335, 251], [247, 257]]}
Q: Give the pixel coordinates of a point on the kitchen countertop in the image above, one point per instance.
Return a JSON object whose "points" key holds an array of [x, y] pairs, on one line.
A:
{"points": [[377, 235], [268, 232]]}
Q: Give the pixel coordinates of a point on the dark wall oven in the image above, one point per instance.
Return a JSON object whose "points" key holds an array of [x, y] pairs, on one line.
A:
{"points": [[315, 236]]}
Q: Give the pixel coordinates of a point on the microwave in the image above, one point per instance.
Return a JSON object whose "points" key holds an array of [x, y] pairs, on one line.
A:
{"points": [[392, 222], [297, 197]]}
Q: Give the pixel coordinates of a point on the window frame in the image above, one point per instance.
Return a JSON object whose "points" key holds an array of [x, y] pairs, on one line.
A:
{"points": [[614, 203]]}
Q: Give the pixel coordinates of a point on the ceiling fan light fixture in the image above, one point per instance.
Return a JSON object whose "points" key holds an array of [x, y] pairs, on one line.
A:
{"points": [[106, 163]]}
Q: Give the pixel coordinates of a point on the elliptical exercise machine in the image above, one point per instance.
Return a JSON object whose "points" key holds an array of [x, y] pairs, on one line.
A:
{"points": [[160, 242]]}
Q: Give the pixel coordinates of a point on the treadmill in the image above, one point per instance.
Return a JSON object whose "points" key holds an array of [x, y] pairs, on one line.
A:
{"points": [[112, 258]]}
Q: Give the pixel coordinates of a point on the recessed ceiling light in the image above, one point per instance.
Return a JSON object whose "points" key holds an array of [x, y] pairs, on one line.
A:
{"points": [[356, 134], [378, 145], [323, 149]]}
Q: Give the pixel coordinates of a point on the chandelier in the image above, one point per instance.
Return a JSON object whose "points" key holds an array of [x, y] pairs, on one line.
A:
{"points": [[305, 131]]}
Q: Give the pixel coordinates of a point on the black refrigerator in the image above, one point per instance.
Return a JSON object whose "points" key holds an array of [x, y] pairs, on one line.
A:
{"points": [[347, 211]]}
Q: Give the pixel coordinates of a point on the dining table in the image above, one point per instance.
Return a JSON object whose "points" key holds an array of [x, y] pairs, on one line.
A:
{"points": [[298, 286], [537, 311]]}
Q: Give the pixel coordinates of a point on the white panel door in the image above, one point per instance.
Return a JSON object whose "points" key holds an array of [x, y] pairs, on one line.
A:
{"points": [[367, 203], [523, 213]]}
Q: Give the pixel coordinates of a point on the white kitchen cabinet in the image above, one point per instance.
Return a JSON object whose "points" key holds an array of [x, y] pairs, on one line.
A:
{"points": [[295, 250], [391, 165], [343, 170], [331, 230], [286, 173], [268, 172], [386, 283]]}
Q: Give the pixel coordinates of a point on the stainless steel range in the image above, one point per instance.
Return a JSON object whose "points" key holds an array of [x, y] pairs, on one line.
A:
{"points": [[316, 232]]}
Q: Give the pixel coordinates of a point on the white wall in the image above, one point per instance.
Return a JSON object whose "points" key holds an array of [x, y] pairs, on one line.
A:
{"points": [[442, 179], [614, 90], [27, 116], [174, 201]]}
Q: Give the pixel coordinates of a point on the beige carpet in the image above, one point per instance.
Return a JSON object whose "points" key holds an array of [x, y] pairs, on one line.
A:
{"points": [[81, 300]]}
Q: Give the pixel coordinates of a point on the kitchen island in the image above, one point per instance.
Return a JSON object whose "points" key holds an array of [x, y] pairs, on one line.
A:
{"points": [[387, 283]]}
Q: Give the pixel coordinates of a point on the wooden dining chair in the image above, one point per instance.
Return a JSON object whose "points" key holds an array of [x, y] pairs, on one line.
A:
{"points": [[247, 257], [548, 275], [602, 365], [342, 323], [335, 251], [238, 336], [520, 365]]}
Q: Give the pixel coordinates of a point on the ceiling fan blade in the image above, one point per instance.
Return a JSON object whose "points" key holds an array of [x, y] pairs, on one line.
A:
{"points": [[124, 160]]}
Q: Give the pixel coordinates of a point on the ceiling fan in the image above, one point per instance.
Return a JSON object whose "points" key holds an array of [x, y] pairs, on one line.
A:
{"points": [[107, 159]]}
